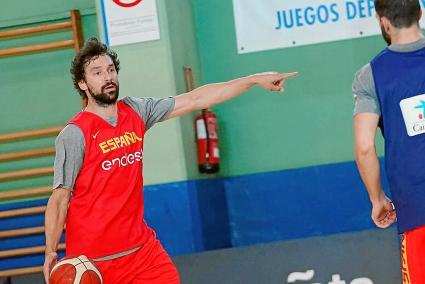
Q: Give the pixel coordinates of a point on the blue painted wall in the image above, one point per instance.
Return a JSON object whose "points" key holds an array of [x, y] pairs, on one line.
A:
{"points": [[313, 201]]}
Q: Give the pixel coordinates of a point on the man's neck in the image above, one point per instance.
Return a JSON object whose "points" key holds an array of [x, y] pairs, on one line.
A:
{"points": [[103, 111], [407, 35]]}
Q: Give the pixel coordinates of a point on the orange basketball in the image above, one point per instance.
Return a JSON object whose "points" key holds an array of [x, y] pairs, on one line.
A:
{"points": [[75, 270]]}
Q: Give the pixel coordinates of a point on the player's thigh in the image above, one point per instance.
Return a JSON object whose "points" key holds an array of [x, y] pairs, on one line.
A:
{"points": [[160, 268]]}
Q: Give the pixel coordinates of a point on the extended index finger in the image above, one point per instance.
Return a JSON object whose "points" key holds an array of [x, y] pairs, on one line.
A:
{"points": [[289, 75]]}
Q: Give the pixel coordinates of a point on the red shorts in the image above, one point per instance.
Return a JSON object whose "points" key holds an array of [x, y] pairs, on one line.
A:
{"points": [[149, 264], [413, 256]]}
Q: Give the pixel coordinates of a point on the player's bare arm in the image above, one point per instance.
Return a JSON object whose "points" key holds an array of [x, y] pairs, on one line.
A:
{"points": [[365, 125], [56, 211], [212, 94]]}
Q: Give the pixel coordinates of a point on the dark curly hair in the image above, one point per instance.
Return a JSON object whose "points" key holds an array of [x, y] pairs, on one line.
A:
{"points": [[91, 50], [401, 13]]}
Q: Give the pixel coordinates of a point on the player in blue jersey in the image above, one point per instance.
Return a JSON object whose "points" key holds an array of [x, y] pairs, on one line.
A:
{"points": [[389, 93]]}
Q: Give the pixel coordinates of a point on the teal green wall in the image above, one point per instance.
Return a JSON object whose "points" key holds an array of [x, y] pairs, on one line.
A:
{"points": [[15, 13], [39, 86], [36, 90], [310, 124], [184, 52]]}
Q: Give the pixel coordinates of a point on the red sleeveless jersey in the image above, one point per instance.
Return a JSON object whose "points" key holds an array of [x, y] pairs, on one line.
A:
{"points": [[105, 214]]}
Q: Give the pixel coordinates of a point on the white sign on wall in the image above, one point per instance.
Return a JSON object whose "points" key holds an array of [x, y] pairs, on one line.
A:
{"points": [[270, 24], [129, 21]]}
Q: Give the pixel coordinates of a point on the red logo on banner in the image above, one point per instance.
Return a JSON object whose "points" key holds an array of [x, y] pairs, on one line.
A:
{"points": [[127, 5]]}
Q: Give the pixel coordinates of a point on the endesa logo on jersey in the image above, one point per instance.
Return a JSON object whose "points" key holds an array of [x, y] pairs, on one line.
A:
{"points": [[413, 110], [123, 161], [125, 140]]}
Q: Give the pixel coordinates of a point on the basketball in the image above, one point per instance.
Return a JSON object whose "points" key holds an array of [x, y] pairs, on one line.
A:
{"points": [[75, 270]]}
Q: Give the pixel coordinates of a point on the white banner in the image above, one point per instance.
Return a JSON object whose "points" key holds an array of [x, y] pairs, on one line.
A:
{"points": [[129, 21], [270, 24]]}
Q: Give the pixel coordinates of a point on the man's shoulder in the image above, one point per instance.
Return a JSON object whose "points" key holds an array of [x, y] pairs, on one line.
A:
{"points": [[364, 73], [71, 132], [132, 100], [381, 56], [81, 118], [137, 104]]}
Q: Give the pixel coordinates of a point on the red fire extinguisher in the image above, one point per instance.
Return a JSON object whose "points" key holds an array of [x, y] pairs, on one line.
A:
{"points": [[207, 141]]}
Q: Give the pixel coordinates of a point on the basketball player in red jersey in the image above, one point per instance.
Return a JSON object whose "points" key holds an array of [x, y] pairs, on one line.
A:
{"points": [[98, 169]]}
